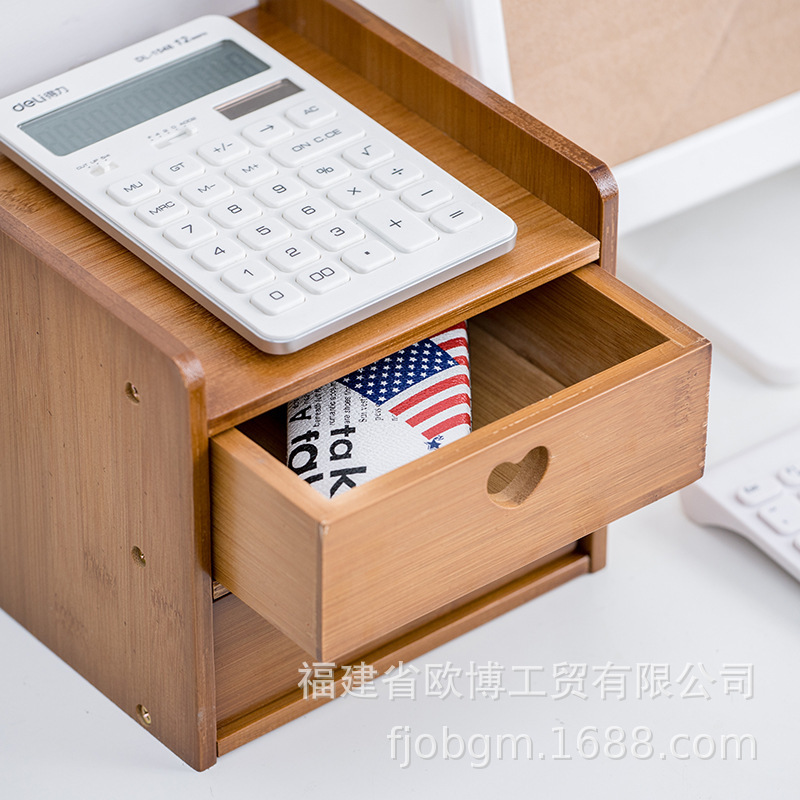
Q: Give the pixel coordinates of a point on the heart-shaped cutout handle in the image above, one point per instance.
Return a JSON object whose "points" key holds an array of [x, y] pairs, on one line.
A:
{"points": [[510, 485]]}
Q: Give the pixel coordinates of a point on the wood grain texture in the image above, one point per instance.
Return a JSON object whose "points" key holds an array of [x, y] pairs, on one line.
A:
{"points": [[627, 405], [92, 469], [547, 164], [258, 668]]}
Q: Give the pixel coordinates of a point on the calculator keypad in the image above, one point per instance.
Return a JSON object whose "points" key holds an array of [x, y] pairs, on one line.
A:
{"points": [[294, 206]]}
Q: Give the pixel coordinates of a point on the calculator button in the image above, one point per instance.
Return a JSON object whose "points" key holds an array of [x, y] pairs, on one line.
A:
{"points": [[133, 190], [368, 256], [274, 301], [223, 151], [190, 232], [285, 191], [294, 255], [264, 233], [354, 194], [782, 515], [398, 225], [323, 174], [162, 211], [397, 174], [267, 132], [206, 191], [368, 154], [307, 214], [310, 113], [247, 277], [219, 254], [759, 491], [178, 170], [322, 279], [456, 217], [426, 196], [311, 145], [235, 211], [343, 233], [250, 171]]}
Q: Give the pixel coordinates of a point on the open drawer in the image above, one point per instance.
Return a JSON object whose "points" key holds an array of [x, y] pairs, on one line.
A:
{"points": [[588, 403]]}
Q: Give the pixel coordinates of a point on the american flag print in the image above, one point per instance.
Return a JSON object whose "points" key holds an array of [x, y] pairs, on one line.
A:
{"points": [[426, 385], [382, 416]]}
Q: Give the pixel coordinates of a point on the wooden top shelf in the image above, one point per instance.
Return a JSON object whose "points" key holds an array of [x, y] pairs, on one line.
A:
{"points": [[240, 380]]}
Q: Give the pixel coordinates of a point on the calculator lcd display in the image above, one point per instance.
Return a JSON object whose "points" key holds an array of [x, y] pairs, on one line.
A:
{"points": [[145, 97]]}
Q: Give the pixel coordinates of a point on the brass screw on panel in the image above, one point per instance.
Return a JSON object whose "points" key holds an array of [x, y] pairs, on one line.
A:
{"points": [[131, 392], [143, 714], [138, 556]]}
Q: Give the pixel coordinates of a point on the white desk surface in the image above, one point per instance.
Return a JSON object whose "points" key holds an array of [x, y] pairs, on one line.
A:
{"points": [[702, 602]]}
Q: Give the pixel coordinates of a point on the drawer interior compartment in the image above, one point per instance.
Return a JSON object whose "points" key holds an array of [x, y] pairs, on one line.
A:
{"points": [[588, 402]]}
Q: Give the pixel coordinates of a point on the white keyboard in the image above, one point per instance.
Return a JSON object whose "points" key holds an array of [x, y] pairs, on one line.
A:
{"points": [[757, 495], [279, 206]]}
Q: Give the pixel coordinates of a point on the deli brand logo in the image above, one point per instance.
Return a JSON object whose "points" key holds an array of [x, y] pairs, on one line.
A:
{"points": [[32, 102]]}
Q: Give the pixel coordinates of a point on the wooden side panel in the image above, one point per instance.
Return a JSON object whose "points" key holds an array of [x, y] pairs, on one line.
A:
{"points": [[104, 494], [562, 174]]}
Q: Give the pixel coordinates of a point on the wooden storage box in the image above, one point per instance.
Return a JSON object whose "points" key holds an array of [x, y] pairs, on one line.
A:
{"points": [[143, 437]]}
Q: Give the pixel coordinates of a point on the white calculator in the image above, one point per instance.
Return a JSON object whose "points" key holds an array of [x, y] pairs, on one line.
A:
{"points": [[276, 204]]}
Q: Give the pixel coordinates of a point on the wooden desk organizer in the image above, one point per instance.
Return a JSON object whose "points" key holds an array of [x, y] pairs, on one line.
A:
{"points": [[141, 435]]}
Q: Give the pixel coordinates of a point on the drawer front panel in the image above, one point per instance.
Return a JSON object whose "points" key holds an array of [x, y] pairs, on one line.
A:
{"points": [[442, 534]]}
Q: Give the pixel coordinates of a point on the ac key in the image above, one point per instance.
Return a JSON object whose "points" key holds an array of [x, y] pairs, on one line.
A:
{"points": [[397, 225]]}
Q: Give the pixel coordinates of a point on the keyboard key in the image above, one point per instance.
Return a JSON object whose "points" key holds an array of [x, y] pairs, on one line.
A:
{"points": [[178, 169], [223, 151], [133, 190], [790, 474], [756, 492], [235, 211], [426, 196], [310, 113], [190, 232], [368, 154], [162, 211], [397, 225], [276, 300], [219, 254], [343, 233], [297, 254], [397, 174], [251, 171], [206, 191], [368, 256], [309, 213], [782, 515], [325, 173], [354, 194], [307, 147], [285, 191], [456, 217], [267, 132], [247, 277], [323, 279], [265, 233]]}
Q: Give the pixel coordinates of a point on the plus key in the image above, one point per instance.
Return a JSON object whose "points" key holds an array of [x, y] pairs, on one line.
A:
{"points": [[397, 225]]}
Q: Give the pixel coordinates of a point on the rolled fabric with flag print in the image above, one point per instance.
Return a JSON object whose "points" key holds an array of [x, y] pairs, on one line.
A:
{"points": [[383, 415]]}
